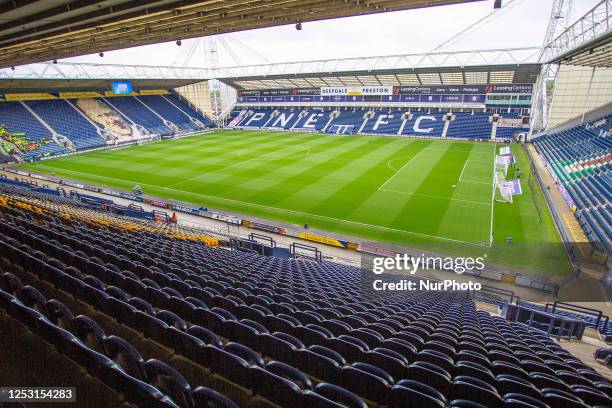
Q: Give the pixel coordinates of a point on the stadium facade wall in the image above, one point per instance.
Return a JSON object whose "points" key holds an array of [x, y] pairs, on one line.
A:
{"points": [[198, 95], [579, 90]]}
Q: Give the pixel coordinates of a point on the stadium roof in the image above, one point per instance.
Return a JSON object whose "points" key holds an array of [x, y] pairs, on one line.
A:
{"points": [[501, 74], [504, 66], [594, 53], [518, 65], [43, 30], [79, 85], [587, 42]]}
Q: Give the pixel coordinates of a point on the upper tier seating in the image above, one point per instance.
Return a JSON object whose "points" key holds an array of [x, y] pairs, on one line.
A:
{"points": [[67, 121], [16, 118], [581, 159], [328, 339], [168, 111], [138, 113]]}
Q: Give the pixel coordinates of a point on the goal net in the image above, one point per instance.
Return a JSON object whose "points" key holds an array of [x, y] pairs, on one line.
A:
{"points": [[503, 192], [501, 165]]}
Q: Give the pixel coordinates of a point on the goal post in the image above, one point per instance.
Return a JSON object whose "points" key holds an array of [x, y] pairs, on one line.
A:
{"points": [[501, 165], [503, 193]]}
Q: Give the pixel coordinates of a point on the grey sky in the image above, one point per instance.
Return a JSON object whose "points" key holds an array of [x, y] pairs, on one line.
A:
{"points": [[523, 24]]}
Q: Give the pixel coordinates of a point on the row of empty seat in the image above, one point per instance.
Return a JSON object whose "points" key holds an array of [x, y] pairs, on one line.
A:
{"points": [[475, 125], [296, 333], [62, 125], [580, 159]]}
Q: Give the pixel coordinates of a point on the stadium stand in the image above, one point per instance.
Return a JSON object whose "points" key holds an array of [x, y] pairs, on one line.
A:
{"points": [[473, 126], [346, 122], [384, 122], [283, 119], [184, 106], [35, 129], [463, 125], [313, 120], [137, 112], [168, 111], [66, 120], [580, 159], [293, 333], [108, 118], [33, 140]]}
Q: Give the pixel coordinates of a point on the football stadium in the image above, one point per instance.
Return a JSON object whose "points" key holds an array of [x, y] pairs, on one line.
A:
{"points": [[281, 203]]}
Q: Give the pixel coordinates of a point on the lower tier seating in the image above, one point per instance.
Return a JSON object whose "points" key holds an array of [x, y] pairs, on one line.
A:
{"points": [[289, 333], [472, 125]]}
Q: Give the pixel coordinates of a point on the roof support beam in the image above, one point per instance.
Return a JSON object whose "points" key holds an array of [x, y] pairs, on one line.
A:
{"points": [[140, 22]]}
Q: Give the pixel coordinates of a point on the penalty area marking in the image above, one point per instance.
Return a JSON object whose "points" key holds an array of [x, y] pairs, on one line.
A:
{"points": [[274, 208], [471, 181]]}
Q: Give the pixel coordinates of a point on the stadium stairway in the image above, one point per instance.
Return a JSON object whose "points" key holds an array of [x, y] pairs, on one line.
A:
{"points": [[229, 312]]}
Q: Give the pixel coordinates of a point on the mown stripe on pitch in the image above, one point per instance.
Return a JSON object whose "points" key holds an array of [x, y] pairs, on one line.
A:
{"points": [[205, 161], [421, 213], [282, 168], [358, 188], [311, 174], [230, 176]]}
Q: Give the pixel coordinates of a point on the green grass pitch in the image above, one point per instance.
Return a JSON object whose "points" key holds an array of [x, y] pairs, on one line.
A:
{"points": [[430, 194]]}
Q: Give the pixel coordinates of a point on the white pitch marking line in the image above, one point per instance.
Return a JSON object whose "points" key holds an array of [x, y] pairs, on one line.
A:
{"points": [[438, 197], [492, 195], [276, 208], [392, 160], [470, 181], [462, 170], [401, 168]]}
